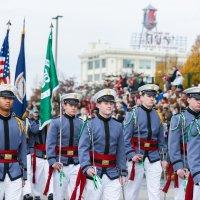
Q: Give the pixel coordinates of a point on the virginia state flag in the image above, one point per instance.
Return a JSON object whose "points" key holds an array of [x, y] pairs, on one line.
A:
{"points": [[20, 102]]}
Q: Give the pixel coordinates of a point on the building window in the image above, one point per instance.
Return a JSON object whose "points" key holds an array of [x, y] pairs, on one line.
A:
{"points": [[96, 77], [103, 63], [90, 78], [90, 65], [128, 63], [96, 64], [145, 64]]}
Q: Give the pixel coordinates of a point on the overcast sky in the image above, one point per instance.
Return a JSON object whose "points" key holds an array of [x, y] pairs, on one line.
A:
{"points": [[86, 21]]}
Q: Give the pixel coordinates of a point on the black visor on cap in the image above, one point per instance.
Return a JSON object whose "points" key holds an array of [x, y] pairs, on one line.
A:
{"points": [[7, 94], [73, 102], [151, 93], [106, 98], [195, 95]]}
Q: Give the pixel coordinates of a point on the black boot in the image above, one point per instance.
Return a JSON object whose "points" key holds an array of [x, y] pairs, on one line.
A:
{"points": [[37, 198], [50, 196], [28, 197]]}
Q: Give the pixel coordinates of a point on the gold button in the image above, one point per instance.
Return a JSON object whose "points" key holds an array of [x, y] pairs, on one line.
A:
{"points": [[105, 162], [8, 156], [70, 153], [146, 144]]}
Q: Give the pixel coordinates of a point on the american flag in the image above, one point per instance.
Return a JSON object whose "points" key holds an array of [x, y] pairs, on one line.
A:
{"points": [[4, 61]]}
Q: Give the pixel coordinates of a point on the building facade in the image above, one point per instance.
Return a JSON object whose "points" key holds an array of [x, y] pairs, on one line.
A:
{"points": [[101, 60]]}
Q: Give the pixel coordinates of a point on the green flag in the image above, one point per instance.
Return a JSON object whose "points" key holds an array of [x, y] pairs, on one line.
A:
{"points": [[49, 85]]}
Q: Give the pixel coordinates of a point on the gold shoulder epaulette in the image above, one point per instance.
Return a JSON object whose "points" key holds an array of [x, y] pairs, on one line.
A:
{"points": [[20, 124]]}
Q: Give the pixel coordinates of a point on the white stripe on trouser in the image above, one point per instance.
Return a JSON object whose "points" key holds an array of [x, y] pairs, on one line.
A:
{"points": [[28, 182], [153, 175], [41, 175], [11, 189], [64, 191], [196, 195], [179, 193], [109, 190]]}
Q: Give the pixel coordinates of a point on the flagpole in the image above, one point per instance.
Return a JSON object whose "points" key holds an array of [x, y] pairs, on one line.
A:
{"points": [[51, 27], [23, 30], [8, 24], [56, 45]]}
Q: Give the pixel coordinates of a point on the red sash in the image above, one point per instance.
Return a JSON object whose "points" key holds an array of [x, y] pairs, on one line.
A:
{"points": [[103, 160], [70, 152], [39, 147], [146, 145]]}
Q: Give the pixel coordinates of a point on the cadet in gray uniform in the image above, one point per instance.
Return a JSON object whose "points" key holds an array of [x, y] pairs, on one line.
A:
{"points": [[63, 158], [40, 166], [177, 148], [27, 189], [101, 151], [13, 148], [144, 138], [192, 126]]}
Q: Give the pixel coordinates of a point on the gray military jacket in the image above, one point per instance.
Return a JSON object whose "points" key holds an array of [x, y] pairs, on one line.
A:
{"points": [[177, 137], [193, 145], [12, 137], [107, 139], [38, 137], [143, 123], [70, 129]]}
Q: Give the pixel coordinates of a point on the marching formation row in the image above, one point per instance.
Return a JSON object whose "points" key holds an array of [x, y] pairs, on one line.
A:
{"points": [[99, 157]]}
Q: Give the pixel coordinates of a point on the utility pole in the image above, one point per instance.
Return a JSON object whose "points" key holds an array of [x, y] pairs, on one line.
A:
{"points": [[56, 46]]}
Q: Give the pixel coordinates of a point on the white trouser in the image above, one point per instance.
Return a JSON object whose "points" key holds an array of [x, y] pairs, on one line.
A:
{"points": [[63, 190], [109, 190], [196, 194], [28, 182], [41, 175], [153, 175], [11, 189], [179, 193]]}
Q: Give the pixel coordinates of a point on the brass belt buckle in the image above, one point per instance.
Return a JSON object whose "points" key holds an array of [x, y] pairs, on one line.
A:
{"points": [[7, 156], [146, 144], [105, 162], [70, 153]]}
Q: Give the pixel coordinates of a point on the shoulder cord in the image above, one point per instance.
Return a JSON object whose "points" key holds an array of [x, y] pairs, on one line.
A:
{"points": [[62, 174], [20, 125], [92, 141], [138, 129], [96, 178], [194, 121], [183, 124], [182, 117], [60, 131]]}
